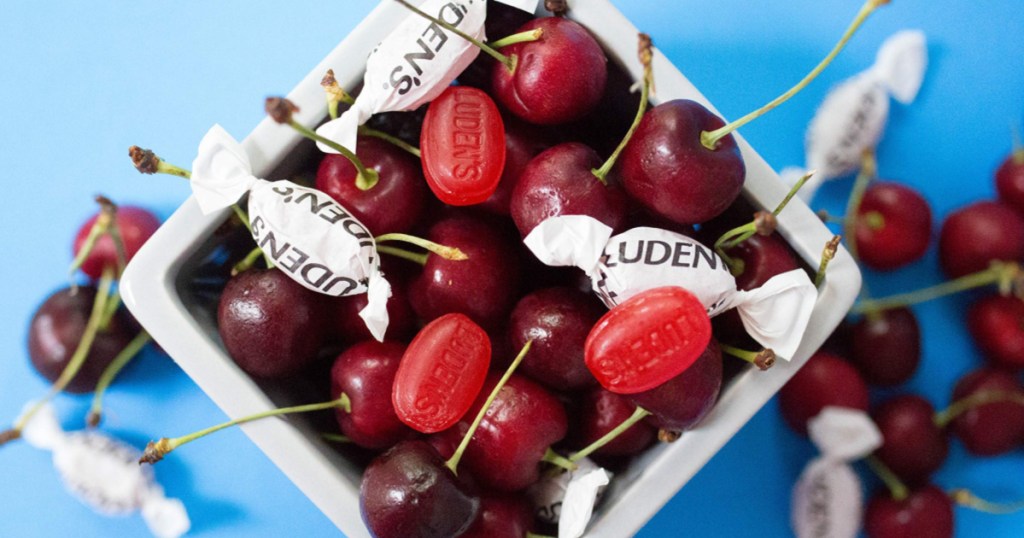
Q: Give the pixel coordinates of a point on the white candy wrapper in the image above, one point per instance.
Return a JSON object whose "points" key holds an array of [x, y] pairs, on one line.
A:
{"points": [[308, 235], [568, 499], [853, 115], [640, 259], [105, 474], [827, 499]]}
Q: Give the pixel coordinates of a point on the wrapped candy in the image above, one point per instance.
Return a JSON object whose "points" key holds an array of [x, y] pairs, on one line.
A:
{"points": [[568, 498], [415, 63], [827, 499], [640, 259], [105, 474], [308, 235], [852, 117]]}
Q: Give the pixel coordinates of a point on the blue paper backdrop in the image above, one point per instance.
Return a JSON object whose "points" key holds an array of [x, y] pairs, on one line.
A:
{"points": [[83, 81]]}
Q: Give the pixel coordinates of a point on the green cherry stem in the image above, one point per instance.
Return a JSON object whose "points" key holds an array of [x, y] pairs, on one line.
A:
{"points": [[638, 414], [646, 54], [558, 460], [1004, 274], [398, 142], [509, 61], [978, 399], [521, 37], [831, 247], [965, 497], [763, 359], [710, 138], [155, 451], [110, 373], [763, 224], [415, 257], [897, 488], [448, 253], [336, 438], [366, 178], [247, 262], [453, 462], [868, 172]]}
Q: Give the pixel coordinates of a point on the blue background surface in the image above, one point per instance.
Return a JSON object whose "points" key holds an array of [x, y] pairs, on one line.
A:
{"points": [[83, 81]]}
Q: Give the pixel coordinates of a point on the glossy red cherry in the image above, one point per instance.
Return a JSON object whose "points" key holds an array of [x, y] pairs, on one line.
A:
{"points": [[667, 169], [647, 340], [501, 516], [365, 373], [463, 146], [558, 78], [687, 398], [997, 325], [913, 445], [441, 373], [1010, 180], [394, 204], [826, 380], [927, 511], [974, 236], [886, 346], [992, 428], [894, 226], [135, 225], [601, 412], [761, 257]]}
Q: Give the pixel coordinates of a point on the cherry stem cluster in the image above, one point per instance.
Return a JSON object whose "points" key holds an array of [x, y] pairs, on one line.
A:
{"points": [[646, 56], [1007, 275], [110, 373]]}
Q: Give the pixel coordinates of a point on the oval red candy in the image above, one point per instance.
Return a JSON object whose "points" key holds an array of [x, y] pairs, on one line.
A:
{"points": [[647, 340], [463, 146], [441, 373]]}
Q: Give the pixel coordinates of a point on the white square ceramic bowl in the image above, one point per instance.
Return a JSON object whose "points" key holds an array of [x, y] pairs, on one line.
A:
{"points": [[158, 284]]}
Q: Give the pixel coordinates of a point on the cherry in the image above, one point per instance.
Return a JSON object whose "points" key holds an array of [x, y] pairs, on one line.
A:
{"points": [[997, 325], [894, 226], [601, 412], [927, 511], [993, 427], [557, 78], [134, 224], [394, 203], [760, 258], [58, 326], [1010, 180], [483, 287], [886, 346], [560, 181], [365, 372], [407, 492], [270, 324], [522, 143], [558, 321], [825, 380], [913, 446], [501, 516], [977, 234], [683, 401]]}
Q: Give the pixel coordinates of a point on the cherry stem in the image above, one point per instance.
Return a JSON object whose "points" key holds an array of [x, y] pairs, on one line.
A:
{"points": [[155, 451], [645, 53], [453, 462], [398, 142], [81, 353], [558, 460], [110, 373], [336, 438], [868, 172], [965, 497], [897, 488], [521, 37], [448, 253], [764, 223], [763, 359], [978, 399], [415, 257], [831, 247], [827, 217], [247, 262], [1005, 274], [710, 139], [366, 178], [508, 61], [335, 93], [638, 414]]}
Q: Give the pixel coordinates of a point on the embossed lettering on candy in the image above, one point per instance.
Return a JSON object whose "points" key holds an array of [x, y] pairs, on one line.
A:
{"points": [[463, 146], [441, 373], [647, 340]]}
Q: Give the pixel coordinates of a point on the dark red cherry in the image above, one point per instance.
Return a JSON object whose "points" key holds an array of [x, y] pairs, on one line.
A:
{"points": [[681, 402], [347, 326], [997, 325], [57, 328], [483, 287], [270, 324], [826, 380], [993, 428], [601, 412], [913, 445], [557, 78], [558, 321], [666, 167], [135, 225], [559, 181], [975, 235], [394, 204], [408, 492], [886, 346], [501, 516], [894, 226], [523, 142], [928, 511], [365, 372], [1010, 180]]}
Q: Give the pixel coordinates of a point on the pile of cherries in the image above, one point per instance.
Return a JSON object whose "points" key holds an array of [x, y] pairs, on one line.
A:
{"points": [[980, 245]]}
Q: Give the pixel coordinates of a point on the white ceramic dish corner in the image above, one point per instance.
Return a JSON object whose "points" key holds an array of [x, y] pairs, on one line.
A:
{"points": [[158, 287]]}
